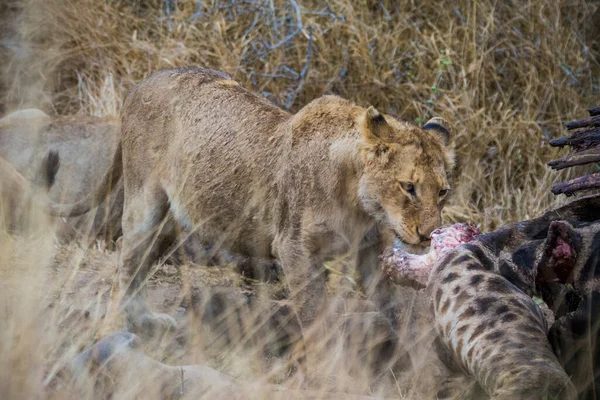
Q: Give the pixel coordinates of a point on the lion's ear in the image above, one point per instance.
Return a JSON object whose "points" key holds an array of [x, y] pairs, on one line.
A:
{"points": [[441, 127], [374, 127]]}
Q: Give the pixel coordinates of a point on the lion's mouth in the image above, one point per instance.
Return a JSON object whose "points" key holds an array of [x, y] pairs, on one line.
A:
{"points": [[399, 237], [407, 268], [403, 239]]}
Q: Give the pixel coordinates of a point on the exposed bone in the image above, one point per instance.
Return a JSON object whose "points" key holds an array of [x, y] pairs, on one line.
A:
{"points": [[413, 270]]}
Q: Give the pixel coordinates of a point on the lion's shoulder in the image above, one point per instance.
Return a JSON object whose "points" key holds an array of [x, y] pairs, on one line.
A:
{"points": [[324, 118]]}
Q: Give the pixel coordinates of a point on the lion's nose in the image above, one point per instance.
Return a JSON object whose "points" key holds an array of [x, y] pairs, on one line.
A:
{"points": [[422, 237]]}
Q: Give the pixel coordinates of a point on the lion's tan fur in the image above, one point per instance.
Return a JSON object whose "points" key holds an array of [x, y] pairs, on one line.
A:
{"points": [[85, 146], [18, 209], [253, 179]]}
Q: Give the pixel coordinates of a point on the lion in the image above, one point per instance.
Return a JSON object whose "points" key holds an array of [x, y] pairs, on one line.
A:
{"points": [[256, 180], [20, 211], [86, 146]]}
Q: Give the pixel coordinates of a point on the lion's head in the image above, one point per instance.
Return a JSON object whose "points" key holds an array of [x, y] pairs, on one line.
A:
{"points": [[406, 173]]}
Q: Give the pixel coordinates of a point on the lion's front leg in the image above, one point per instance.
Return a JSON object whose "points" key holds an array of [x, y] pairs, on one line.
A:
{"points": [[376, 286], [305, 277], [306, 280]]}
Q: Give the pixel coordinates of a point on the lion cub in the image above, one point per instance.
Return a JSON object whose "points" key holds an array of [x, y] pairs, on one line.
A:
{"points": [[261, 182]]}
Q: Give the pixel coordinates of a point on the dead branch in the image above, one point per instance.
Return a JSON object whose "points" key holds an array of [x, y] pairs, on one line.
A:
{"points": [[304, 71], [296, 31]]}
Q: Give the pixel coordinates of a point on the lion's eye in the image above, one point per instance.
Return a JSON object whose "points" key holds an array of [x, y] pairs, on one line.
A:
{"points": [[444, 192], [408, 187]]}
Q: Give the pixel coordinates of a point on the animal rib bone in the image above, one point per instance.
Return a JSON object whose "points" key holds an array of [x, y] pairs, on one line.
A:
{"points": [[407, 269]]}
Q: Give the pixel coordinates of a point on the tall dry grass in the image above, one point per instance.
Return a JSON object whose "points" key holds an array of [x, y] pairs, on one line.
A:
{"points": [[506, 74]]}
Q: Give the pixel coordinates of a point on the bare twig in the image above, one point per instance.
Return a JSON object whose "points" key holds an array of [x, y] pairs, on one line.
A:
{"points": [[388, 17], [168, 11], [198, 13], [254, 23], [293, 75], [296, 31], [170, 6], [326, 12], [303, 73]]}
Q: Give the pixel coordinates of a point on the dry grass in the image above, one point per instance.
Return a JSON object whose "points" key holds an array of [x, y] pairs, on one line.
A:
{"points": [[507, 74]]}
